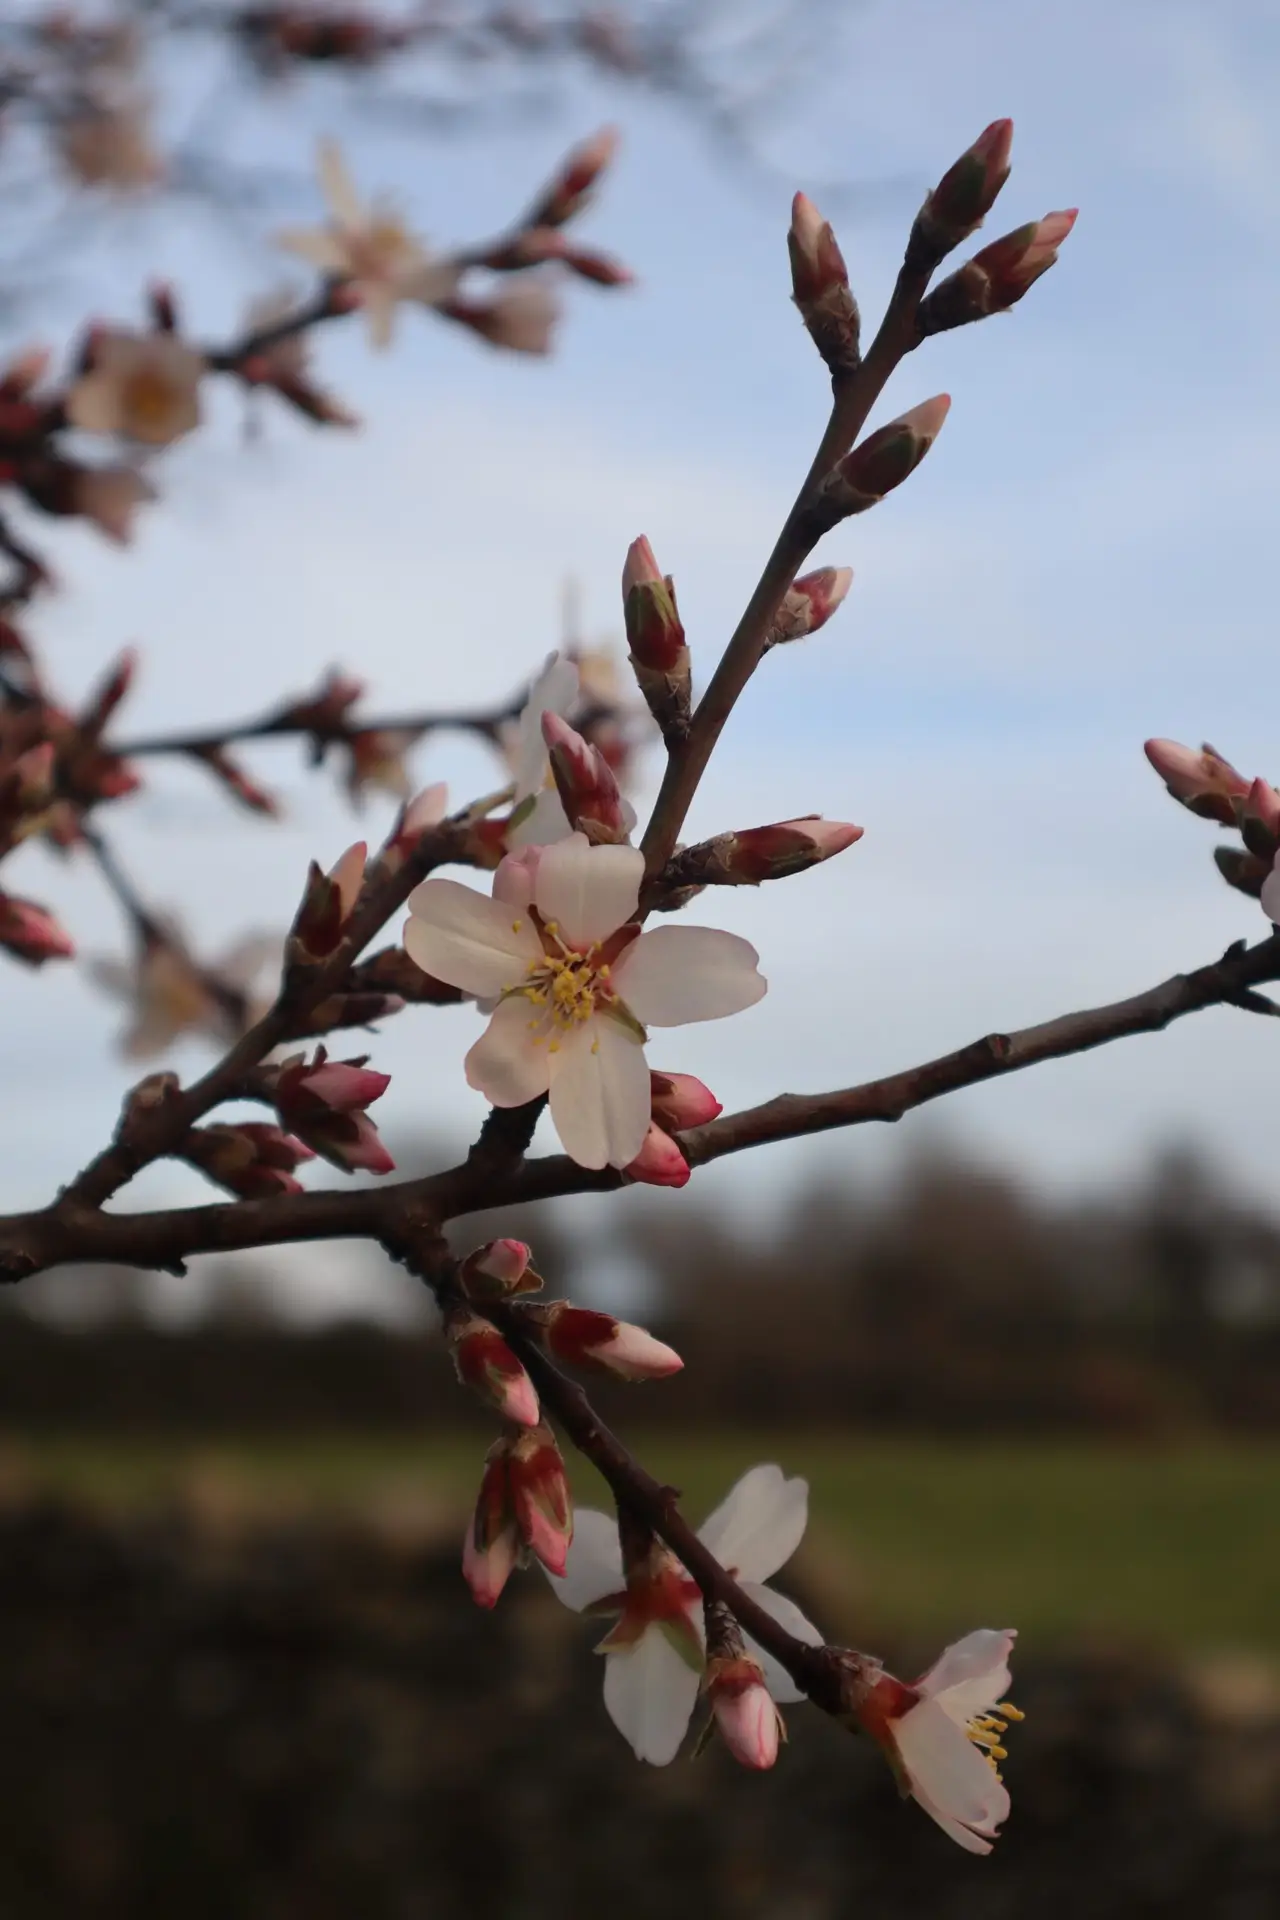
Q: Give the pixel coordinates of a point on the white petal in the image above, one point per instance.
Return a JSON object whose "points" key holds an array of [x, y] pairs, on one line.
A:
{"points": [[947, 1772], [431, 281], [462, 937], [589, 891], [650, 1693], [594, 1566], [337, 185], [317, 246], [509, 1063], [1271, 895], [600, 1093], [759, 1523], [544, 824], [788, 1615], [680, 974], [554, 691], [380, 315], [972, 1675], [94, 403]]}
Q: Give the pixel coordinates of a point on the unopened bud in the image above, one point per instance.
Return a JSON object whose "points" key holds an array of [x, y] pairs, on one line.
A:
{"points": [[679, 1101], [484, 1362], [253, 1160], [1241, 870], [745, 1715], [567, 193], [809, 603], [820, 287], [1201, 780], [792, 846], [498, 1269], [31, 933], [237, 782], [491, 1549], [995, 279], [540, 1496], [1258, 817], [586, 784], [326, 907], [659, 1162], [588, 1339], [882, 462], [426, 810], [655, 636], [965, 194]]}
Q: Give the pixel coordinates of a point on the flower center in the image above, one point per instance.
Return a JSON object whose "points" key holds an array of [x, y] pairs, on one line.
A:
{"points": [[568, 987], [987, 1730], [148, 399]]}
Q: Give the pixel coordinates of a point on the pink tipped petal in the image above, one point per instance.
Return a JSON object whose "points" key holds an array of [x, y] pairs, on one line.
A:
{"points": [[509, 1064], [600, 1090], [677, 975], [426, 809], [348, 875], [681, 1100], [634, 1353], [759, 1523], [650, 1694], [748, 1724], [487, 1570], [593, 1569], [588, 892], [659, 1162], [468, 940]]}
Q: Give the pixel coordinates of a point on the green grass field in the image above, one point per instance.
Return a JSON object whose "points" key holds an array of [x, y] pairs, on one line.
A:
{"points": [[1172, 1548]]}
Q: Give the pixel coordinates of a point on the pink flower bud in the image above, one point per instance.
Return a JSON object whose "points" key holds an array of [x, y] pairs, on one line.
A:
{"points": [[1203, 781], [586, 784], [348, 1141], [566, 195], [426, 810], [588, 1339], [601, 269], [1258, 817], [484, 1362], [336, 1086], [491, 1548], [884, 459], [967, 191], [326, 906], [747, 1719], [680, 1101], [809, 603], [253, 1160], [773, 853], [497, 1269], [540, 1496], [996, 279], [659, 1162], [31, 933], [654, 631], [820, 286]]}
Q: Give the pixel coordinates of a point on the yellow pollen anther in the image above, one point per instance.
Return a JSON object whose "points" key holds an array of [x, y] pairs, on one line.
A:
{"points": [[1009, 1711], [516, 925]]}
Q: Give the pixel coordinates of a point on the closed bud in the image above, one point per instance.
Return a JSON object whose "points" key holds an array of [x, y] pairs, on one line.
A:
{"points": [[426, 810], [586, 784], [745, 1716], [484, 1362], [882, 462], [240, 784], [491, 1549], [965, 194], [659, 1162], [304, 1089], [584, 1338], [568, 191], [809, 603], [1258, 817], [1241, 870], [497, 1270], [773, 853], [540, 1496], [996, 279], [253, 1160], [820, 287], [1202, 780], [679, 1101], [326, 907], [655, 636], [31, 933]]}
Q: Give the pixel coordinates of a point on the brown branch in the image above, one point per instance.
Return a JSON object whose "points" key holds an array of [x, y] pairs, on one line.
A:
{"points": [[272, 726], [72, 1230]]}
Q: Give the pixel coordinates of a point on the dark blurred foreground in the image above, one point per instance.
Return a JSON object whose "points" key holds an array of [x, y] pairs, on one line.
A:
{"points": [[209, 1715]]}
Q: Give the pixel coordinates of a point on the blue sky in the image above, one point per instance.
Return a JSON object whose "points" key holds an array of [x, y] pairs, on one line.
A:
{"points": [[1085, 559]]}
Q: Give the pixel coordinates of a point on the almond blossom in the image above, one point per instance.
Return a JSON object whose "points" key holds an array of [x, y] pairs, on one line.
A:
{"points": [[371, 248], [942, 1735], [144, 386], [171, 995], [654, 1655], [575, 985]]}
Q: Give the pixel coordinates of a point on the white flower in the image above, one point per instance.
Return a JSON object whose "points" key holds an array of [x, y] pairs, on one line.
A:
{"points": [[143, 385], [371, 248], [575, 986], [170, 994], [654, 1656], [943, 1735]]}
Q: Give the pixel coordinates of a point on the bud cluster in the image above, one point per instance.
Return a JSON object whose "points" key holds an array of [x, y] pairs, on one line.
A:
{"points": [[677, 1101], [1207, 785], [323, 1102]]}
